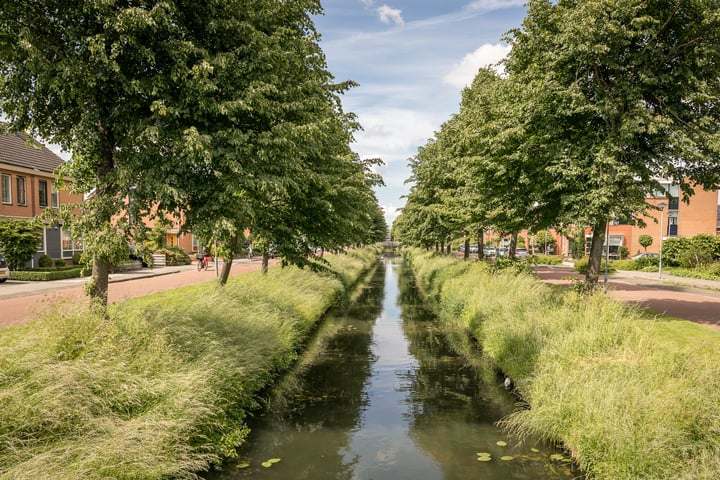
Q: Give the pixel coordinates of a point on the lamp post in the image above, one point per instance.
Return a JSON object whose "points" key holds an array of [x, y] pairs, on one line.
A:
{"points": [[661, 206]]}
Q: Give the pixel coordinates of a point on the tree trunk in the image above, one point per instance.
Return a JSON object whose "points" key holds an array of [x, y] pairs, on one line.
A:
{"points": [[466, 253], [225, 272], [265, 262], [100, 276], [481, 243], [513, 246], [596, 251]]}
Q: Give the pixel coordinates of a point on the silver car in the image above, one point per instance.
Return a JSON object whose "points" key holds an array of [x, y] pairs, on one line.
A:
{"points": [[4, 270]]}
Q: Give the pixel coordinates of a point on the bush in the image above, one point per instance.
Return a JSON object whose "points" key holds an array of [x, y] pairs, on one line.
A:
{"points": [[582, 264], [174, 256], [59, 262], [45, 261], [47, 275], [77, 259]]}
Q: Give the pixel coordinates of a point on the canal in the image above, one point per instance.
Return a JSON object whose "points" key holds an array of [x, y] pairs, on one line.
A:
{"points": [[381, 396]]}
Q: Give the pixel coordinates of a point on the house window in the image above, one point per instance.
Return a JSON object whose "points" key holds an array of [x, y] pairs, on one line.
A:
{"points": [[6, 192], [68, 244], [20, 183], [43, 193], [54, 203]]}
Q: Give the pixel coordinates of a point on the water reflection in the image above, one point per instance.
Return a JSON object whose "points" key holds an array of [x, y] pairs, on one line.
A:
{"points": [[381, 396]]}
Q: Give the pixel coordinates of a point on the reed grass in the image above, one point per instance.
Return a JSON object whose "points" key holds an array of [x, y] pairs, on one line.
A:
{"points": [[159, 388], [630, 395]]}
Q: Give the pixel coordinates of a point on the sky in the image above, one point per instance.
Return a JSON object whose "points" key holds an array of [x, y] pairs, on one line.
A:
{"points": [[411, 58]]}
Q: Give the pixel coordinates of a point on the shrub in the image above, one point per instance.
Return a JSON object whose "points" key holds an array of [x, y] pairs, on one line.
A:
{"points": [[45, 261], [59, 262], [43, 276], [77, 259], [174, 256], [582, 264]]}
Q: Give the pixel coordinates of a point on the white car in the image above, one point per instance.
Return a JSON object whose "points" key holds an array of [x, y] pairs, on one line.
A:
{"points": [[4, 270]]}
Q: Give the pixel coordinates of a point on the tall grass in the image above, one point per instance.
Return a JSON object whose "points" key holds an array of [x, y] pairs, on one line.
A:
{"points": [[630, 395], [161, 388]]}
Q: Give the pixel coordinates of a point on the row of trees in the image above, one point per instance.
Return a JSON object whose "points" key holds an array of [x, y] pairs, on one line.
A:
{"points": [[225, 116], [599, 101]]}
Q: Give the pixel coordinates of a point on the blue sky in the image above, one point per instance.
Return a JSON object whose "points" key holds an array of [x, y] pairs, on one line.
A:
{"points": [[412, 59]]}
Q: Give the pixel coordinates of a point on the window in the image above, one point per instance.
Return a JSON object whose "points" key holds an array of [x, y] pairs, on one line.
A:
{"points": [[6, 192], [68, 243], [43, 193], [54, 203], [21, 198]]}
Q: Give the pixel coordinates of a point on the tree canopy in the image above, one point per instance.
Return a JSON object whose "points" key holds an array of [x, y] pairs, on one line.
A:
{"points": [[212, 115], [599, 103]]}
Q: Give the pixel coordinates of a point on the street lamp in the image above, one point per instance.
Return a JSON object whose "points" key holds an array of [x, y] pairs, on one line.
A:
{"points": [[661, 206]]}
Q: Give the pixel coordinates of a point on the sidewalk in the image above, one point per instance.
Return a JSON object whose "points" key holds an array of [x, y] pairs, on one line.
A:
{"points": [[20, 301], [685, 298], [16, 288]]}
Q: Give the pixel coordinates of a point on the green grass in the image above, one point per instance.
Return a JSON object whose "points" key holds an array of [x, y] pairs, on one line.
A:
{"points": [[629, 394], [162, 387]]}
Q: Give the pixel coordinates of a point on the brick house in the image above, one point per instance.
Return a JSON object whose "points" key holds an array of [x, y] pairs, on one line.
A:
{"points": [[28, 187]]}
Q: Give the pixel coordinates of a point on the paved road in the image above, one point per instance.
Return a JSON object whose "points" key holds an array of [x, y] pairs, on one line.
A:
{"points": [[20, 301], [686, 298]]}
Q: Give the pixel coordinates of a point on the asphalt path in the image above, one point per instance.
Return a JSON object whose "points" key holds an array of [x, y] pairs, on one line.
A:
{"points": [[21, 302], [680, 297]]}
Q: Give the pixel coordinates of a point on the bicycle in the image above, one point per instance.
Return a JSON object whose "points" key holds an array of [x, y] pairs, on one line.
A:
{"points": [[203, 262]]}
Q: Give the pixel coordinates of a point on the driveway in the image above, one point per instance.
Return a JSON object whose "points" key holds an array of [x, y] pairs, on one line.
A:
{"points": [[685, 298], [20, 301]]}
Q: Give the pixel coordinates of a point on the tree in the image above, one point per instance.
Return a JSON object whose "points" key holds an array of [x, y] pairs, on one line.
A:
{"points": [[167, 108], [18, 241], [625, 92], [645, 240]]}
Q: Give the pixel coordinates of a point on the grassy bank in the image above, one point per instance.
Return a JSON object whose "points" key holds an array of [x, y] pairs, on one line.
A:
{"points": [[160, 389], [631, 396]]}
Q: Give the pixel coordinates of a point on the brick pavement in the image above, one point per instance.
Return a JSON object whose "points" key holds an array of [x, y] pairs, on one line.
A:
{"points": [[20, 301], [688, 299]]}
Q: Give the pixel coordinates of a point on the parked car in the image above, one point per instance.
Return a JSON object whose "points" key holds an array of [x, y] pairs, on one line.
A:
{"points": [[473, 248], [4, 270], [502, 252], [521, 253], [490, 251]]}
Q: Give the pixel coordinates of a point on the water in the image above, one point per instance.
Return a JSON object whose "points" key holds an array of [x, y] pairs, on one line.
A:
{"points": [[380, 396]]}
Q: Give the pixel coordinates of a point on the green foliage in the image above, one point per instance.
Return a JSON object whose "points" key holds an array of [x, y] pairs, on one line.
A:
{"points": [[38, 275], [585, 364], [581, 266], [45, 261], [77, 258], [18, 241], [546, 260], [645, 240], [174, 256], [59, 262], [157, 387]]}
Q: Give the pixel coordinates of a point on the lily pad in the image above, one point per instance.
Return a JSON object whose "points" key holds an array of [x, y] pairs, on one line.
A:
{"points": [[243, 465], [266, 464], [535, 450], [506, 458], [500, 443], [484, 459], [556, 456], [273, 460]]}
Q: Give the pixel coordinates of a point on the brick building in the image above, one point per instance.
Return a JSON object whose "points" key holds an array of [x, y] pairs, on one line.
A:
{"points": [[28, 187]]}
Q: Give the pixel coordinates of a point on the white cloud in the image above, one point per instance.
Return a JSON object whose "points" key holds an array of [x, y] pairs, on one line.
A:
{"points": [[390, 15], [463, 73]]}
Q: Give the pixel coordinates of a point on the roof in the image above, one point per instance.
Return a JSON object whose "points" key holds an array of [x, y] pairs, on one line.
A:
{"points": [[15, 150]]}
